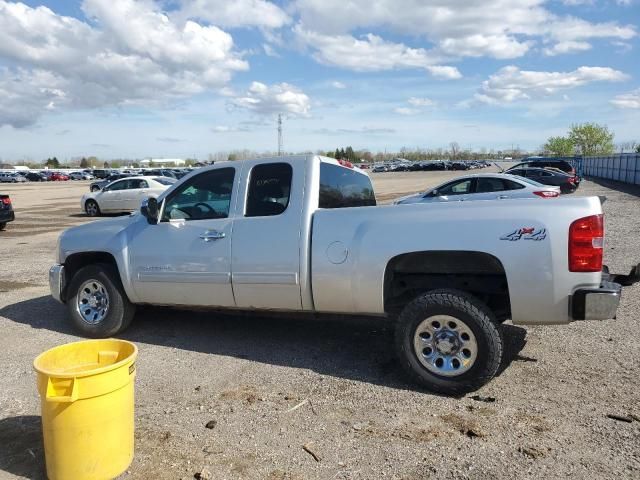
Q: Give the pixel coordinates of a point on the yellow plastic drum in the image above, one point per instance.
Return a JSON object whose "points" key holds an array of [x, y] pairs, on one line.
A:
{"points": [[86, 393]]}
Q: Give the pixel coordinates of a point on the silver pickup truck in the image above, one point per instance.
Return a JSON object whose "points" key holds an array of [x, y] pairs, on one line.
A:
{"points": [[304, 234]]}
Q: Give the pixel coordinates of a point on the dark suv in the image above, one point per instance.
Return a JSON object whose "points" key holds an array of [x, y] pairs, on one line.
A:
{"points": [[563, 165]]}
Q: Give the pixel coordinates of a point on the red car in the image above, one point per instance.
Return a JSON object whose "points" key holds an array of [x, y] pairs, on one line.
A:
{"points": [[57, 177]]}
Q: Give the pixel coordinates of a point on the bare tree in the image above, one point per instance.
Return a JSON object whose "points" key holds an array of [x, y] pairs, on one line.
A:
{"points": [[454, 148]]}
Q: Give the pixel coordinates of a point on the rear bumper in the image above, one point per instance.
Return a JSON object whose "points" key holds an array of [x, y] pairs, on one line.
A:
{"points": [[57, 282], [602, 303]]}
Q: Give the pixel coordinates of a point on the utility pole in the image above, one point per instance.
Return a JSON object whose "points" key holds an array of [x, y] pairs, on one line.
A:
{"points": [[279, 134]]}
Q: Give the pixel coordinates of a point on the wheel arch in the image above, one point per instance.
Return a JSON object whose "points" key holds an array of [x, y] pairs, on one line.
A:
{"points": [[478, 273], [76, 261]]}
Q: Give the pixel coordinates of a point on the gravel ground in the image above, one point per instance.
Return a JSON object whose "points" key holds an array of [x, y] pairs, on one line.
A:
{"points": [[270, 386]]}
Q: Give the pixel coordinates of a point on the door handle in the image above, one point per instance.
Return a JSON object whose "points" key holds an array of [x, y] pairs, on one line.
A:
{"points": [[212, 235], [502, 197]]}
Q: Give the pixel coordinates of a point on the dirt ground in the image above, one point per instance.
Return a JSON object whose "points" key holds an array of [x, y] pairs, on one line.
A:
{"points": [[270, 386]]}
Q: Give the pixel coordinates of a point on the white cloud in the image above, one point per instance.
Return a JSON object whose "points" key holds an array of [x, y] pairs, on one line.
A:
{"points": [[561, 48], [628, 100], [371, 53], [406, 111], [338, 85], [235, 13], [421, 102], [510, 83], [269, 51], [132, 53], [494, 28], [279, 98]]}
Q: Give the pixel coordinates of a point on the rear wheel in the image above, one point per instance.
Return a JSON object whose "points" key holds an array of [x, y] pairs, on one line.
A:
{"points": [[97, 303], [449, 342], [92, 208]]}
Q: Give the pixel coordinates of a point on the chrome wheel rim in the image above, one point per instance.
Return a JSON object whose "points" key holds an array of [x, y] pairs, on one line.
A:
{"points": [[92, 302], [91, 208], [445, 345]]}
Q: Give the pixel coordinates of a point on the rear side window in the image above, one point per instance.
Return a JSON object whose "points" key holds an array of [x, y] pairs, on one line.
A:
{"points": [[269, 190], [342, 187], [511, 185], [488, 184]]}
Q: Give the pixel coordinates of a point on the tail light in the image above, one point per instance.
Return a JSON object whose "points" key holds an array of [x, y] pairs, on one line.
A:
{"points": [[586, 241], [547, 194], [572, 179], [6, 201], [345, 163]]}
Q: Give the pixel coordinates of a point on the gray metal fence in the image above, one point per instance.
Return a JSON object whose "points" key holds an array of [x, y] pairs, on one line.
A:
{"points": [[624, 167]]}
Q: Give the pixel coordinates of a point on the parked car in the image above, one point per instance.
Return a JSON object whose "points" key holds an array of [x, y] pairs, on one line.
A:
{"points": [[124, 195], [487, 186], [36, 177], [567, 183], [549, 163], [80, 176], [100, 184], [101, 173], [459, 166], [160, 172], [379, 168], [6, 211], [446, 276], [57, 177], [11, 178]]}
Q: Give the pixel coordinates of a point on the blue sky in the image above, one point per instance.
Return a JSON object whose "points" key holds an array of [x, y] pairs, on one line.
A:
{"points": [[184, 78]]}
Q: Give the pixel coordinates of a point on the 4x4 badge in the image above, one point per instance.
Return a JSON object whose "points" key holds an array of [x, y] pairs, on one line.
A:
{"points": [[526, 233]]}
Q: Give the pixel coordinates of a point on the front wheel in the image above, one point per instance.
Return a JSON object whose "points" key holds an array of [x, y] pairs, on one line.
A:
{"points": [[448, 341], [92, 208], [3, 225], [97, 303]]}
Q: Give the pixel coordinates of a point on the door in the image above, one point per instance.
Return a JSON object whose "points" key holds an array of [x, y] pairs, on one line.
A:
{"points": [[110, 199], [491, 188], [135, 192], [266, 236], [186, 258], [455, 191]]}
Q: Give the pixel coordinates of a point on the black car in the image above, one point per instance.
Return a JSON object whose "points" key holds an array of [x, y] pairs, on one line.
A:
{"points": [[100, 173], [563, 165], [6, 211], [160, 172], [566, 182], [36, 177], [460, 166], [99, 185]]}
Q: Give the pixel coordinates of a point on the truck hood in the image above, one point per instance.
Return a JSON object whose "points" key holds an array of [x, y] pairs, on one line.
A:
{"points": [[100, 236]]}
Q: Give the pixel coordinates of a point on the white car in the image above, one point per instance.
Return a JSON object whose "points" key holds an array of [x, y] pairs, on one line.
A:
{"points": [[11, 178], [124, 195], [80, 176], [484, 186]]}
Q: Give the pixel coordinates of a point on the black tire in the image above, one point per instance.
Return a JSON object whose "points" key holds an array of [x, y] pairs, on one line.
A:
{"points": [[478, 318], [120, 312], [3, 226], [92, 208]]}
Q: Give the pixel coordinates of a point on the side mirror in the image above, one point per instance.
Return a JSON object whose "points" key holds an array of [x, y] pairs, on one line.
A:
{"points": [[150, 210], [434, 193]]}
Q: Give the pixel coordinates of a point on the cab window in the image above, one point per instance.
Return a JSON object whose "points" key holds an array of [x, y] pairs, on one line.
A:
{"points": [[204, 197], [269, 190]]}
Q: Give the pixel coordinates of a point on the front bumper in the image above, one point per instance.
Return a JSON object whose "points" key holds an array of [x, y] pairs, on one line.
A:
{"points": [[7, 216], [57, 282], [602, 303]]}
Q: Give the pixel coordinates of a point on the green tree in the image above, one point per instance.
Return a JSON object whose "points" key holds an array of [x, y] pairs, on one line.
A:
{"points": [[331, 154], [84, 163], [592, 139], [638, 148], [232, 157], [337, 154], [105, 165], [560, 146], [52, 163], [351, 156]]}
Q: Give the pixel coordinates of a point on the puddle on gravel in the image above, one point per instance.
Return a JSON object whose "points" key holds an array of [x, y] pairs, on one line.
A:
{"points": [[8, 285]]}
